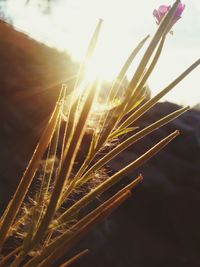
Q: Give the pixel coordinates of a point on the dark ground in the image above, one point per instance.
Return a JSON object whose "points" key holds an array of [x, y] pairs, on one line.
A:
{"points": [[159, 225]]}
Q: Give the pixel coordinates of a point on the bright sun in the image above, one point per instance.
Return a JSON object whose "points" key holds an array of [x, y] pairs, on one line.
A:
{"points": [[69, 28], [70, 24]]}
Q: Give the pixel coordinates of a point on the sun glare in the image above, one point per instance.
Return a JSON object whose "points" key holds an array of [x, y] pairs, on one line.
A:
{"points": [[95, 70], [70, 23], [69, 28]]}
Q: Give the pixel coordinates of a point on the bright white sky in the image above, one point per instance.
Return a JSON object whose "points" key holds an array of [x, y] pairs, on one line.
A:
{"points": [[126, 22]]}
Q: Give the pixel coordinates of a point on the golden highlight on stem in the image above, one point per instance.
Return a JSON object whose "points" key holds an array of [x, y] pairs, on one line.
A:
{"points": [[116, 177], [66, 167], [73, 234], [75, 258], [28, 175], [130, 141]]}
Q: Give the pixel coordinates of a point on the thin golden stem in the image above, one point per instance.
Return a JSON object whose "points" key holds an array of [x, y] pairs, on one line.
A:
{"points": [[75, 258], [28, 175]]}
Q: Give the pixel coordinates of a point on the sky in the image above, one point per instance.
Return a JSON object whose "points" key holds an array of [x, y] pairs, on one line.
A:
{"points": [[71, 23]]}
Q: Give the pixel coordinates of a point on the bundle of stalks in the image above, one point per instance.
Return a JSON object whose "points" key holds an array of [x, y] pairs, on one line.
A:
{"points": [[50, 222]]}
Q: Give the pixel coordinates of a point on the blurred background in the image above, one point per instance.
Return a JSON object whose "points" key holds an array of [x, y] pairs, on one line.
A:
{"points": [[40, 46]]}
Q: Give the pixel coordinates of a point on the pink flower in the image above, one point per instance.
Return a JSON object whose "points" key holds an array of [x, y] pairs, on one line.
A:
{"points": [[160, 13], [179, 12], [163, 9]]}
